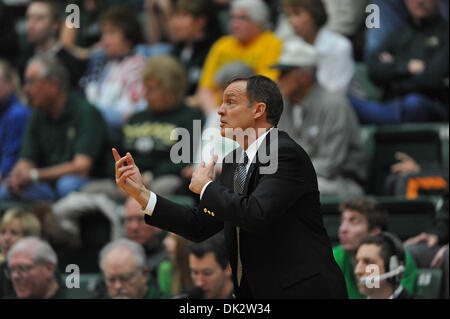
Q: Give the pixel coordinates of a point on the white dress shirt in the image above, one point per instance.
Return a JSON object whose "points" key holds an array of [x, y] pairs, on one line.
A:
{"points": [[251, 154]]}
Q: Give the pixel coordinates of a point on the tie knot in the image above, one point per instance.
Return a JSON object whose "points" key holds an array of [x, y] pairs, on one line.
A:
{"points": [[244, 159]]}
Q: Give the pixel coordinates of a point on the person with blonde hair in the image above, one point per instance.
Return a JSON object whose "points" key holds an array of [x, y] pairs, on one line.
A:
{"points": [[13, 117], [174, 274], [15, 224], [148, 133]]}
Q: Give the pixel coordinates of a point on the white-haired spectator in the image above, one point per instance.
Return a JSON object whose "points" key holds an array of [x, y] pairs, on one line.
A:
{"points": [[123, 263], [32, 266]]}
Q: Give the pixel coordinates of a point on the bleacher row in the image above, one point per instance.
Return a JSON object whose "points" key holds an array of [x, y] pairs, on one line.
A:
{"points": [[425, 142]]}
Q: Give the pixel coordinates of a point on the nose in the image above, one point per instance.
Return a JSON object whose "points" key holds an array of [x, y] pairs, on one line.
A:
{"points": [[359, 269], [221, 110], [343, 228]]}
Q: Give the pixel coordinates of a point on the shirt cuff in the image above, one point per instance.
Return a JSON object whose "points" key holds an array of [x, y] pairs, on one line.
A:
{"points": [[151, 204], [203, 189]]}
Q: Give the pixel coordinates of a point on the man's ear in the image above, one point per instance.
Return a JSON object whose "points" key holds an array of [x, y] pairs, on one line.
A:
{"points": [[260, 110]]}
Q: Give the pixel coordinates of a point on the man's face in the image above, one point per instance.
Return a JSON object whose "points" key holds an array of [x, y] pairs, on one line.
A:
{"points": [[30, 280], [290, 84], [235, 112], [40, 92], [243, 28], [10, 233], [301, 20], [136, 228], [368, 262], [123, 279], [41, 25], [354, 227], [421, 9], [207, 274]]}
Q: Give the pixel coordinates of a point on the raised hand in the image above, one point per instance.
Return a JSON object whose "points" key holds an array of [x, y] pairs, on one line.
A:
{"points": [[129, 178], [202, 175]]}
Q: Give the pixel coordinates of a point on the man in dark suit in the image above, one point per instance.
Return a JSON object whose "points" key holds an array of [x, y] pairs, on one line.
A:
{"points": [[267, 205]]}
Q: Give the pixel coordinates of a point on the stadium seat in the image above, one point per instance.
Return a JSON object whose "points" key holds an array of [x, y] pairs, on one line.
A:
{"points": [[423, 141], [429, 283]]}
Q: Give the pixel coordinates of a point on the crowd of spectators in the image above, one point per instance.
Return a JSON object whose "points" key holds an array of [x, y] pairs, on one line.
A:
{"points": [[147, 77]]}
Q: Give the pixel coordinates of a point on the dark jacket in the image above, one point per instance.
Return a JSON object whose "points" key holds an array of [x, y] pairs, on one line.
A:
{"points": [[285, 249]]}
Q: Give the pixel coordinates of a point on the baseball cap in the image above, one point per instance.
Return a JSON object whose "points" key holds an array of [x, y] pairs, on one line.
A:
{"points": [[296, 53]]}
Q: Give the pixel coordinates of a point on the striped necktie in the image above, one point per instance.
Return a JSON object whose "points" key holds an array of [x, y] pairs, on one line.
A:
{"points": [[240, 174]]}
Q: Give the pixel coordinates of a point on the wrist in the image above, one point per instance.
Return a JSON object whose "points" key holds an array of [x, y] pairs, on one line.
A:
{"points": [[34, 175], [143, 197]]}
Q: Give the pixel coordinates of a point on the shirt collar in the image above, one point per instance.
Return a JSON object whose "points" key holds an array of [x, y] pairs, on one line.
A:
{"points": [[253, 148]]}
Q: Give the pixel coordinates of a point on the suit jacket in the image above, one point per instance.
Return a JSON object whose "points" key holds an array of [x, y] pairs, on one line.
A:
{"points": [[285, 249]]}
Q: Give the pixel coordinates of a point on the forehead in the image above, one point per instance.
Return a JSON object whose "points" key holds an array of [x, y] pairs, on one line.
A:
{"points": [[371, 251], [238, 88], [38, 8], [207, 261], [350, 213], [119, 260], [20, 258], [33, 69], [11, 223]]}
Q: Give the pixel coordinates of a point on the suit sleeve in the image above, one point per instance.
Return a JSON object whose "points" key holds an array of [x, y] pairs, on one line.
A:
{"points": [[190, 223], [272, 198]]}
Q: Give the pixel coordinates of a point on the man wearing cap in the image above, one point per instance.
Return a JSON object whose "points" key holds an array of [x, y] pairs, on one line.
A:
{"points": [[322, 122]]}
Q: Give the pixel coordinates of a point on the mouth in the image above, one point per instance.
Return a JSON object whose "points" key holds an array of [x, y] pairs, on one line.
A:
{"points": [[222, 123]]}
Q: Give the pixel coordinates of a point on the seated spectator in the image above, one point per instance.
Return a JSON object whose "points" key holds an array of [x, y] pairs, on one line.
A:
{"points": [[13, 118], [379, 265], [148, 236], [193, 29], [361, 218], [33, 268], [250, 42], [147, 135], [210, 268], [411, 179], [112, 82], [125, 273], [173, 274], [15, 224], [65, 141], [322, 122], [335, 64], [43, 27], [430, 248], [85, 38], [411, 66]]}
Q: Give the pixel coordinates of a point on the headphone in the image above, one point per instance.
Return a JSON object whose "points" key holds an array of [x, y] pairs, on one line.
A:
{"points": [[394, 262]]}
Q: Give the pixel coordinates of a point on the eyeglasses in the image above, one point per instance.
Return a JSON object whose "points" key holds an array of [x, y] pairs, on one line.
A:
{"points": [[123, 278], [129, 219], [22, 270], [241, 17]]}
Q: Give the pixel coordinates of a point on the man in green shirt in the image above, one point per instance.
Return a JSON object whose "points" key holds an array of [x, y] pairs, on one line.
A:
{"points": [[361, 218], [65, 140]]}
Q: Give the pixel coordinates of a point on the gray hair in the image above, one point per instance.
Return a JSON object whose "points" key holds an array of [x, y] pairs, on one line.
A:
{"points": [[231, 71], [257, 9], [52, 68], [136, 250], [39, 250]]}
